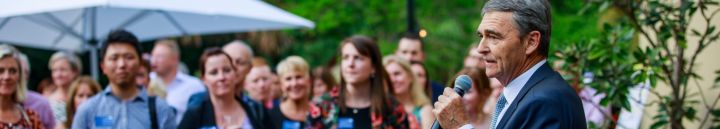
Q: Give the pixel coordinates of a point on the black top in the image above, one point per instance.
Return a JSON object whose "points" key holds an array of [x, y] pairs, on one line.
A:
{"points": [[283, 122], [200, 113], [358, 117]]}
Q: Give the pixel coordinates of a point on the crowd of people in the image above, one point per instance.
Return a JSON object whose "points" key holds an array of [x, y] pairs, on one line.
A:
{"points": [[234, 89]]}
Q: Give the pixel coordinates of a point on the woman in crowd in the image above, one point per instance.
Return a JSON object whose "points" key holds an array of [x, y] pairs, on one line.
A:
{"points": [[221, 108], [143, 76], [473, 58], [364, 99], [80, 90], [12, 93], [155, 87], [45, 87], [422, 78], [64, 68], [477, 97], [323, 82], [295, 110], [409, 92]]}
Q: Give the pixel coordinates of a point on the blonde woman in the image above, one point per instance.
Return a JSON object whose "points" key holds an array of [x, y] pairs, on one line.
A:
{"points": [[409, 92], [296, 110], [12, 93], [64, 68]]}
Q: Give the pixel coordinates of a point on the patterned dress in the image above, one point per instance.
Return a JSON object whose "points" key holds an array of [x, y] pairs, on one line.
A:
{"points": [[28, 120], [330, 116], [313, 119], [58, 109]]}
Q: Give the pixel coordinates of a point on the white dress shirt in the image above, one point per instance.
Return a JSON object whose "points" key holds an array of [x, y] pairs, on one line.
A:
{"points": [[513, 89], [179, 91]]}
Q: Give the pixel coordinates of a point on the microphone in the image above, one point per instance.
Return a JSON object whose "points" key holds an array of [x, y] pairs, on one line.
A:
{"points": [[463, 83]]}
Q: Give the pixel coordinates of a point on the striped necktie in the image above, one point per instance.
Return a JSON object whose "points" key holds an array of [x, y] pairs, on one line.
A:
{"points": [[498, 108]]}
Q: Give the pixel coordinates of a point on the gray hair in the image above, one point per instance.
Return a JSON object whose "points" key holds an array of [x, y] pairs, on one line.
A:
{"points": [[20, 90], [174, 47], [244, 45], [529, 15], [74, 61]]}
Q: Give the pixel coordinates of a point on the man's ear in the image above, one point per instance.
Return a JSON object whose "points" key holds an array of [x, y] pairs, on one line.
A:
{"points": [[532, 42], [102, 66]]}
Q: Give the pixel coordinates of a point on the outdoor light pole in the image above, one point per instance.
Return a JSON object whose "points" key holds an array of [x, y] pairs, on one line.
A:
{"points": [[411, 22]]}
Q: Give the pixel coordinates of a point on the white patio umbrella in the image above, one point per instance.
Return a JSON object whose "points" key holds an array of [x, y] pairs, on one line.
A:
{"points": [[79, 25]]}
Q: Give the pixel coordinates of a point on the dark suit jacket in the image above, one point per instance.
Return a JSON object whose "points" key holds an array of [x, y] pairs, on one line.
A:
{"points": [[200, 113], [545, 102]]}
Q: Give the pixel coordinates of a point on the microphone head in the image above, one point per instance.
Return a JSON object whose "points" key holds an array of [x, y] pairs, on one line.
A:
{"points": [[463, 82]]}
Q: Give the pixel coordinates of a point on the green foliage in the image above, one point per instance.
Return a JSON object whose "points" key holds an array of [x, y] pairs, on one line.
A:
{"points": [[450, 26], [667, 59], [717, 80], [716, 119], [609, 59]]}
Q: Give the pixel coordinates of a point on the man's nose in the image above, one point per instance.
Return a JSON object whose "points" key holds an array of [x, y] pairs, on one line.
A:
{"points": [[482, 48], [122, 63]]}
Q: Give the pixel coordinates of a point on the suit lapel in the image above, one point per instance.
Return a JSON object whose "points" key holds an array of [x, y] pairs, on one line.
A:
{"points": [[539, 75]]}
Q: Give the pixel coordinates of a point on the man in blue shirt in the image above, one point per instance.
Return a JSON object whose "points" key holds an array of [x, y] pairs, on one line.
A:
{"points": [[123, 104]]}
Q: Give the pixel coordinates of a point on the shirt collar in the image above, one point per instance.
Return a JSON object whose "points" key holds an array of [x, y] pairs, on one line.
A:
{"points": [[142, 94], [177, 80], [513, 88]]}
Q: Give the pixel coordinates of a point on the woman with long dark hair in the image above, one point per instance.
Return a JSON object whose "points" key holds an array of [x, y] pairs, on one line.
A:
{"points": [[363, 98]]}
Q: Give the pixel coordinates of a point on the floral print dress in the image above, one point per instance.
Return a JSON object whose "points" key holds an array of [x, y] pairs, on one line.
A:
{"points": [[29, 120], [330, 116]]}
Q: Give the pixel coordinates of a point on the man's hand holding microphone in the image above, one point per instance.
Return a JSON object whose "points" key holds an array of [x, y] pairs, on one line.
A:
{"points": [[449, 109]]}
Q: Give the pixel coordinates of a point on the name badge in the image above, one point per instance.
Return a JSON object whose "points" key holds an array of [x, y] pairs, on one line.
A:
{"points": [[290, 124], [104, 122], [346, 123], [209, 127]]}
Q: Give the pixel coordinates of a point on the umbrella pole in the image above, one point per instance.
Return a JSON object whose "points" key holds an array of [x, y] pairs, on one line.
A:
{"points": [[94, 59], [92, 43]]}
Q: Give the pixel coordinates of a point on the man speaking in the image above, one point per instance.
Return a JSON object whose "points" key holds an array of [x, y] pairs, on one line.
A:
{"points": [[515, 35]]}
